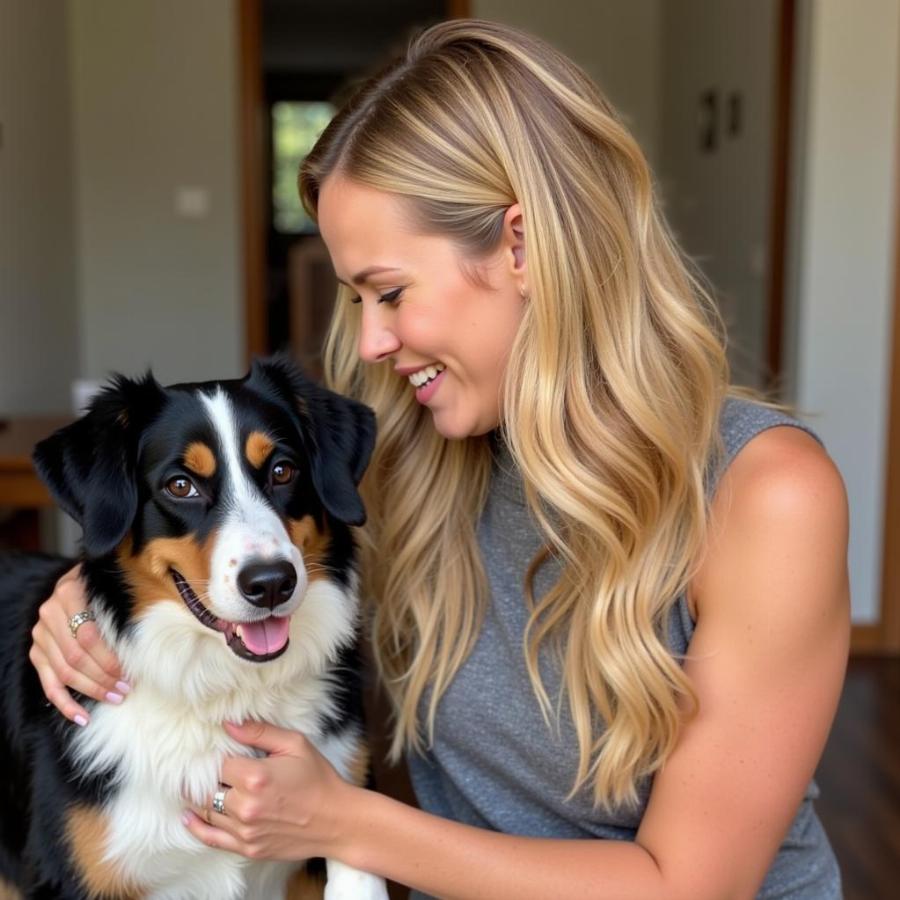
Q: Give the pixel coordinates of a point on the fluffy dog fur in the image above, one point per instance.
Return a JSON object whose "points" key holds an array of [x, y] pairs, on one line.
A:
{"points": [[219, 560]]}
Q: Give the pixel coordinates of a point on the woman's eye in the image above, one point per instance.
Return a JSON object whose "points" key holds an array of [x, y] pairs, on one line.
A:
{"points": [[384, 298], [283, 473], [181, 487]]}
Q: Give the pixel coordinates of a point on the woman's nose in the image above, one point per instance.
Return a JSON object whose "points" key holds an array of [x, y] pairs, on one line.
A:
{"points": [[377, 339]]}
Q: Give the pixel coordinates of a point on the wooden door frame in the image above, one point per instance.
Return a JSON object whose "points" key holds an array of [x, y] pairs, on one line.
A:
{"points": [[888, 628], [252, 119], [778, 211], [883, 637], [251, 141]]}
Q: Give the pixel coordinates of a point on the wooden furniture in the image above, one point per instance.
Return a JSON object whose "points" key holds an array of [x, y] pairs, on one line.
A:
{"points": [[21, 491], [312, 288]]}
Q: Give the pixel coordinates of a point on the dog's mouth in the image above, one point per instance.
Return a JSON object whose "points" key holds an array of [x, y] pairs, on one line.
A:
{"points": [[256, 641]]}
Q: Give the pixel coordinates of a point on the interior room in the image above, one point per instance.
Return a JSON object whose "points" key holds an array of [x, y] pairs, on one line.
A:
{"points": [[149, 219]]}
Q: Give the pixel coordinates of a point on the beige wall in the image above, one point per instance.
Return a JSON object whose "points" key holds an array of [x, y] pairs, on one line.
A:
{"points": [[845, 257], [38, 311], [719, 202], [155, 102], [155, 107], [616, 41]]}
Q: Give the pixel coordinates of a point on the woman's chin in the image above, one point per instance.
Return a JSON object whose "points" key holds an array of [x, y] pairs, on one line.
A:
{"points": [[456, 428]]}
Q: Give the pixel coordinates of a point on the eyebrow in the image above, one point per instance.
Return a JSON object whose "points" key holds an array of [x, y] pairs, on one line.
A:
{"points": [[360, 277]]}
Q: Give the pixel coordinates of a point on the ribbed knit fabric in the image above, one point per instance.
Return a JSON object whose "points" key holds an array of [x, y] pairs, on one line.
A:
{"points": [[496, 764]]}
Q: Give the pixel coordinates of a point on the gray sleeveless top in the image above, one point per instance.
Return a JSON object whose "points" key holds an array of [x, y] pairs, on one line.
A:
{"points": [[495, 763]]}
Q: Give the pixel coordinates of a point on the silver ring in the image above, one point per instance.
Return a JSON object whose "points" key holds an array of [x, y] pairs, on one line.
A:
{"points": [[86, 615], [219, 801]]}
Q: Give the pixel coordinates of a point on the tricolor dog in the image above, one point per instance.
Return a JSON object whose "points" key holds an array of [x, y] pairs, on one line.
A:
{"points": [[218, 559]]}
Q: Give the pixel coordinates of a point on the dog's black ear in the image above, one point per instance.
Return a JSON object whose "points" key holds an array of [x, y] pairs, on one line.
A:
{"points": [[89, 466], [339, 432]]}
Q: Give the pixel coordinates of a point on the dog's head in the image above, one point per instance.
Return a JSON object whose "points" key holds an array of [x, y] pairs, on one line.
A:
{"points": [[232, 496]]}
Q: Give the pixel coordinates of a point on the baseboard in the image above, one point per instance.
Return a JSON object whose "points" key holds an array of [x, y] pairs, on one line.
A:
{"points": [[868, 640]]}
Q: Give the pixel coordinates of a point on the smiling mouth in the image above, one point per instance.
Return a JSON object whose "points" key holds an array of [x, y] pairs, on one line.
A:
{"points": [[258, 641], [426, 376]]}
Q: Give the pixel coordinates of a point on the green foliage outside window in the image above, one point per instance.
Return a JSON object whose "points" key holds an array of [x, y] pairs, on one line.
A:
{"points": [[295, 128]]}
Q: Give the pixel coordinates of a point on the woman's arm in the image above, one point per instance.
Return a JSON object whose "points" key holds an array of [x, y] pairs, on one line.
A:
{"points": [[767, 661], [83, 663]]}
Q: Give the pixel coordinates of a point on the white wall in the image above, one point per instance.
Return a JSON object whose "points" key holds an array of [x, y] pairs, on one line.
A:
{"points": [[38, 312], [845, 280], [719, 201], [155, 98], [615, 41]]}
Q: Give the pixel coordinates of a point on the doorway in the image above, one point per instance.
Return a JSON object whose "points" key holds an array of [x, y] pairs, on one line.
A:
{"points": [[296, 59]]}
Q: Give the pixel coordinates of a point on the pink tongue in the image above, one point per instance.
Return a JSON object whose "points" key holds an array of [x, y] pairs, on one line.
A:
{"points": [[267, 636]]}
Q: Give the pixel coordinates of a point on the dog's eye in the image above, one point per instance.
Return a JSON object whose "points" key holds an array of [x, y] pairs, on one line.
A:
{"points": [[181, 487], [283, 473]]}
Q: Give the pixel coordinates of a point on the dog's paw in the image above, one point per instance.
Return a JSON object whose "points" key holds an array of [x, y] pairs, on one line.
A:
{"points": [[345, 883]]}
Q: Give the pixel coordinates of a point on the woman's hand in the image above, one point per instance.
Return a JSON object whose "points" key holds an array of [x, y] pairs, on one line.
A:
{"points": [[286, 805], [83, 663]]}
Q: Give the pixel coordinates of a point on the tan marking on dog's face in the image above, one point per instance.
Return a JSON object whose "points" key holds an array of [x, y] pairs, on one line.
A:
{"points": [[258, 448], [148, 572], [199, 458], [86, 829], [358, 769], [303, 886], [313, 544]]}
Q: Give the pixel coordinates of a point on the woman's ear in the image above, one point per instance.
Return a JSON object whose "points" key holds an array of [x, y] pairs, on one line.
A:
{"points": [[514, 239]]}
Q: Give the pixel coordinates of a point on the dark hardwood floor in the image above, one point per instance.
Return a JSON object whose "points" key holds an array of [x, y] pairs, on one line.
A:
{"points": [[860, 780]]}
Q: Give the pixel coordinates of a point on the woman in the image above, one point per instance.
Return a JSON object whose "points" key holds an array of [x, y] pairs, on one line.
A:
{"points": [[609, 595]]}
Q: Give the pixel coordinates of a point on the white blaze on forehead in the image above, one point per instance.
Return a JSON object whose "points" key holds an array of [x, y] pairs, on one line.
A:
{"points": [[241, 493], [251, 529]]}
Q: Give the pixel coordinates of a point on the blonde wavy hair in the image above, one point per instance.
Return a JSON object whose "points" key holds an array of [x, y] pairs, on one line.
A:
{"points": [[610, 405]]}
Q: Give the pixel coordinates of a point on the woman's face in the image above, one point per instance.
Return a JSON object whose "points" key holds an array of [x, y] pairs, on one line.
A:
{"points": [[446, 336]]}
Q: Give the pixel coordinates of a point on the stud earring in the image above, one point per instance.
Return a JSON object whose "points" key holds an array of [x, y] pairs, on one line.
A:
{"points": [[523, 293]]}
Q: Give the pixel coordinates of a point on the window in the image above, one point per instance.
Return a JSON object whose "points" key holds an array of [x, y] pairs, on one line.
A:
{"points": [[295, 128]]}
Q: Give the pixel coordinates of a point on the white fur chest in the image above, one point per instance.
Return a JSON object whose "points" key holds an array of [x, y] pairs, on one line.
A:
{"points": [[166, 744], [162, 758]]}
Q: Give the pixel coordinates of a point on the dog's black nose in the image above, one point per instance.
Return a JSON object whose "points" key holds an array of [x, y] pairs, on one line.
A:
{"points": [[267, 583]]}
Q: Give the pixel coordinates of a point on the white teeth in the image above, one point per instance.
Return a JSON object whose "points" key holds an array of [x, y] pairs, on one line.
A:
{"points": [[423, 376]]}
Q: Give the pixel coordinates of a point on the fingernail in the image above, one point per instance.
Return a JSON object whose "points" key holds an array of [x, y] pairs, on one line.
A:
{"points": [[114, 698], [186, 818], [80, 720], [123, 687]]}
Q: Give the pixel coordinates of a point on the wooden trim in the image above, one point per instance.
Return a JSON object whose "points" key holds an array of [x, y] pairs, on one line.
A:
{"points": [[778, 216], [890, 567], [866, 640], [251, 124], [458, 9], [24, 490]]}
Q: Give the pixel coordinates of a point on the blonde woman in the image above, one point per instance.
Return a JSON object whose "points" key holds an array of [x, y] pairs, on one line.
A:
{"points": [[609, 596]]}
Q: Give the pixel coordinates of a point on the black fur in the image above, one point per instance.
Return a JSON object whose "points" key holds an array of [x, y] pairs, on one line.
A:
{"points": [[106, 470]]}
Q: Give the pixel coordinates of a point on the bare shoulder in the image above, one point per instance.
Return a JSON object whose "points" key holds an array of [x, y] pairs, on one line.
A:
{"points": [[780, 508], [785, 462], [766, 661]]}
